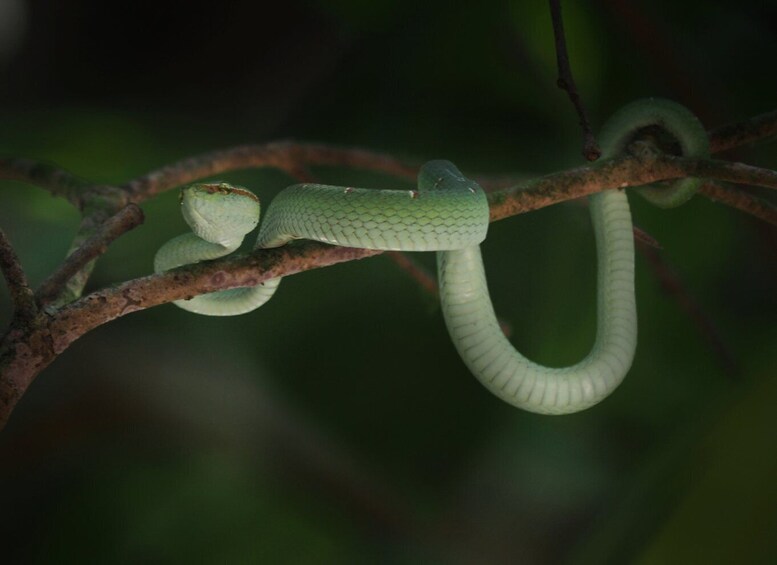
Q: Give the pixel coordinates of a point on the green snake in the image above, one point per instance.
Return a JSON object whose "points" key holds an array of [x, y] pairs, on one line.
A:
{"points": [[449, 214]]}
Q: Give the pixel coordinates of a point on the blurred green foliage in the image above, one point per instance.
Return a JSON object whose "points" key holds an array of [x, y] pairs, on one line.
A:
{"points": [[337, 424]]}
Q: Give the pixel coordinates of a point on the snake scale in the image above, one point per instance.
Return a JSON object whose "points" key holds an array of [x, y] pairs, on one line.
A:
{"points": [[449, 214]]}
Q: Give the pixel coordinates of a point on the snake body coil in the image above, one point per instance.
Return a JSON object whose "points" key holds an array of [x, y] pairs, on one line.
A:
{"points": [[449, 214]]}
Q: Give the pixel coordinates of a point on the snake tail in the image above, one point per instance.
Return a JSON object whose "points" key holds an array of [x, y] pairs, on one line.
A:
{"points": [[655, 124]]}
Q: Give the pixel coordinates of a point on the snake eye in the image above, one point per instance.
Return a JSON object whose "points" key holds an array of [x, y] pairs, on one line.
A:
{"points": [[180, 196]]}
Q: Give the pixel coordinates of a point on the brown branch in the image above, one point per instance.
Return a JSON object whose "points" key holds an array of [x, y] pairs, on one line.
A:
{"points": [[738, 173], [123, 221], [292, 157], [22, 297], [416, 272], [566, 82], [288, 156], [32, 351], [99, 204], [672, 284], [622, 172], [644, 238], [40, 345], [745, 132], [45, 175], [761, 209]]}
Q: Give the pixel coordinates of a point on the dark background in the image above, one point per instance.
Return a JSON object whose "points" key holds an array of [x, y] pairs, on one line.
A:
{"points": [[337, 424]]}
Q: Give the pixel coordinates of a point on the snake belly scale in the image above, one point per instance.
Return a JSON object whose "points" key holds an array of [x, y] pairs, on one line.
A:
{"points": [[449, 214]]}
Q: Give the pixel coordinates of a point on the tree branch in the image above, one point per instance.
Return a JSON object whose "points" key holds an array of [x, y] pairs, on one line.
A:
{"points": [[566, 81], [44, 175], [123, 221], [416, 272], [745, 132], [672, 284], [619, 173], [287, 156], [292, 157], [761, 209], [22, 297]]}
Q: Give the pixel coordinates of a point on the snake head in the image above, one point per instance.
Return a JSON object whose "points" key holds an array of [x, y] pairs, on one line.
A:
{"points": [[219, 212]]}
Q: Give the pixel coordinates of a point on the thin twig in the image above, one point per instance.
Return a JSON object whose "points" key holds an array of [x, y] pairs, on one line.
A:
{"points": [[123, 221], [757, 207], [672, 284], [738, 173], [45, 175], [416, 272], [99, 203], [289, 156], [286, 155], [22, 297], [566, 82], [644, 238], [745, 132]]}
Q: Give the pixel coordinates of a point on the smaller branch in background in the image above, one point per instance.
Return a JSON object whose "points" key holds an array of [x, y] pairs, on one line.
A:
{"points": [[428, 283], [736, 198], [288, 156], [619, 172], [99, 204], [22, 297], [302, 174], [44, 175], [644, 238], [123, 221], [420, 275], [672, 284], [566, 82], [730, 171], [743, 133]]}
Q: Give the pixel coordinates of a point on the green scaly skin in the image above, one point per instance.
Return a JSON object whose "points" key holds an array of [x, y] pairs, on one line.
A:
{"points": [[449, 214]]}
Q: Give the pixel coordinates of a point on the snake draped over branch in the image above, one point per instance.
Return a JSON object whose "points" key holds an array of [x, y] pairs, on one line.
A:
{"points": [[449, 214]]}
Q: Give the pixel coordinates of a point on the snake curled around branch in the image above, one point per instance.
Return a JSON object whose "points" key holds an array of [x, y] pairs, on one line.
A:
{"points": [[448, 213]]}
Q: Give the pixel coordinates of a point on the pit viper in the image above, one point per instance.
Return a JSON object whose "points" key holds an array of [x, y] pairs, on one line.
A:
{"points": [[448, 213]]}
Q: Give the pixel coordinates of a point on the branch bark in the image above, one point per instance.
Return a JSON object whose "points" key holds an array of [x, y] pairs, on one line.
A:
{"points": [[45, 175], [288, 156], [761, 209], [566, 82], [22, 297], [729, 136], [123, 221]]}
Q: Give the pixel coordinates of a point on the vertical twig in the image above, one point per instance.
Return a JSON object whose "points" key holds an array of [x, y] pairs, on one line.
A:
{"points": [[566, 82]]}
